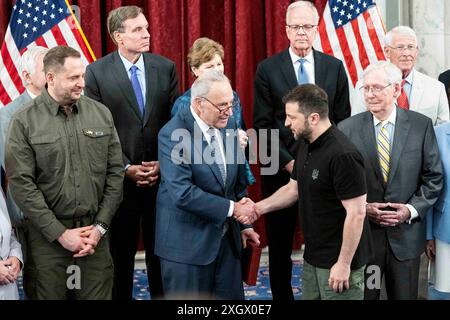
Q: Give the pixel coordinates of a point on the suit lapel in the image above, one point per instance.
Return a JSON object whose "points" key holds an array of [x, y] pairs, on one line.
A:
{"points": [[124, 84], [417, 91], [401, 132], [370, 143], [151, 80], [199, 148], [288, 70], [230, 155], [319, 69]]}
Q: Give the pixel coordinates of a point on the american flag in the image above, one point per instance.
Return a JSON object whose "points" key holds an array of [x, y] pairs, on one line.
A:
{"points": [[46, 23], [352, 31]]}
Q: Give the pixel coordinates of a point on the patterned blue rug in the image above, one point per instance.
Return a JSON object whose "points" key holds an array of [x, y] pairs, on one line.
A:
{"points": [[259, 292]]}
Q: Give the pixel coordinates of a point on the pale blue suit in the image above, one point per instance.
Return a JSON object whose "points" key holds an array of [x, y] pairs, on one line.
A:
{"points": [[9, 247], [438, 221]]}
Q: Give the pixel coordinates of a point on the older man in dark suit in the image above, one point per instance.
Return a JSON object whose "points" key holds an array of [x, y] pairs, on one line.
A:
{"points": [[404, 177], [275, 77], [139, 88], [202, 183]]}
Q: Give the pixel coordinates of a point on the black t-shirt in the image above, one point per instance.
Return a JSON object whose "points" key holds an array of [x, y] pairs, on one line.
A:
{"points": [[329, 170]]}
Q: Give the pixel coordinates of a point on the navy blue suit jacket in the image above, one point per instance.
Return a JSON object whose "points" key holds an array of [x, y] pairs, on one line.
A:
{"points": [[193, 202]]}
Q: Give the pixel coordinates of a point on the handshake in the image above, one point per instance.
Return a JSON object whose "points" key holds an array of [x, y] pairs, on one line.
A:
{"points": [[246, 211]]}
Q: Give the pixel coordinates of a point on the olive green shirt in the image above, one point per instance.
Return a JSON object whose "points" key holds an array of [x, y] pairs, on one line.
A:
{"points": [[63, 167]]}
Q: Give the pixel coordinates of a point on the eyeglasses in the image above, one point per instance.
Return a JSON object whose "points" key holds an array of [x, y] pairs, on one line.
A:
{"points": [[409, 47], [306, 27], [222, 107], [374, 89]]}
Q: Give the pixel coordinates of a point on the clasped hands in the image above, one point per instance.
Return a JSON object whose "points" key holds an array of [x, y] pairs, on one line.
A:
{"points": [[9, 270], [388, 214], [145, 174], [245, 211], [82, 240]]}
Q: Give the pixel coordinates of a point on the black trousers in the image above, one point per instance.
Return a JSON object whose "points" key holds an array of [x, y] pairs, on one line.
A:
{"points": [[280, 229], [401, 277], [135, 214]]}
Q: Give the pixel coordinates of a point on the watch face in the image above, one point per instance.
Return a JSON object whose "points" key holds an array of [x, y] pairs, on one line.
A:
{"points": [[101, 229]]}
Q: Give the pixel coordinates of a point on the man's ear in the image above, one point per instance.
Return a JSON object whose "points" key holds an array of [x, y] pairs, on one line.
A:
{"points": [[26, 77], [314, 118], [118, 37], [50, 77]]}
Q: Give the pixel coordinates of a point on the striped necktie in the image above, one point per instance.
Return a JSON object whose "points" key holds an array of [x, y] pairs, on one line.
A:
{"points": [[384, 150]]}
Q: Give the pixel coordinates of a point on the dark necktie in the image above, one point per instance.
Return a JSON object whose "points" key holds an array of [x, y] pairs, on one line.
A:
{"points": [[217, 153], [137, 89]]}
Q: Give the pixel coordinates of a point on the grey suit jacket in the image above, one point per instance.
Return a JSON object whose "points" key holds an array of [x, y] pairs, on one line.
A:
{"points": [[5, 117], [415, 177], [6, 113]]}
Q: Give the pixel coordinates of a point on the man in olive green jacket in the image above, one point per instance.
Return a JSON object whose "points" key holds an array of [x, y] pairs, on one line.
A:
{"points": [[65, 169]]}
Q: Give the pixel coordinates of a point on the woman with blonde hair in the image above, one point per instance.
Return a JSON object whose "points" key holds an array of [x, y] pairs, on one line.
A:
{"points": [[206, 54]]}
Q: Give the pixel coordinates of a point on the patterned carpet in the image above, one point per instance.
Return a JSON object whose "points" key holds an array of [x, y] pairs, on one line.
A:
{"points": [[259, 292]]}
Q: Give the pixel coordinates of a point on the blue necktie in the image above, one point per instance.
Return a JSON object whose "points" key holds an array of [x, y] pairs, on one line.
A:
{"points": [[302, 75], [137, 89]]}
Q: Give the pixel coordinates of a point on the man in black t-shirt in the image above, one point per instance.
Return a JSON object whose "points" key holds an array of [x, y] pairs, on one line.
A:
{"points": [[332, 195]]}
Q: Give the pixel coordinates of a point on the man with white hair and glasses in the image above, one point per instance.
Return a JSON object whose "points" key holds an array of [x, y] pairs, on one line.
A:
{"points": [[419, 92], [404, 178]]}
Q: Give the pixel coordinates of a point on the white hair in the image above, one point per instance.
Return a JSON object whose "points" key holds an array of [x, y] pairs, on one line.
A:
{"points": [[399, 30], [29, 58], [303, 4], [391, 71], [203, 84]]}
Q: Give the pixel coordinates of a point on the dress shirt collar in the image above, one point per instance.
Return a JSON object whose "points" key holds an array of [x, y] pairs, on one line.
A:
{"points": [[294, 58], [139, 64], [391, 119], [202, 125], [410, 78], [32, 96]]}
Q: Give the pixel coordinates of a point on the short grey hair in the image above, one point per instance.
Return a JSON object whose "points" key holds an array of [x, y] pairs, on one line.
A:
{"points": [[29, 58], [303, 4], [203, 84], [400, 30], [392, 72]]}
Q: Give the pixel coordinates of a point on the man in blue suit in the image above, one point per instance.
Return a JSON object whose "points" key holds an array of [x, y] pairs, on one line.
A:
{"points": [[201, 199]]}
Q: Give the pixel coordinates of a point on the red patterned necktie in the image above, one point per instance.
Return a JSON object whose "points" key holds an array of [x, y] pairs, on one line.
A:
{"points": [[402, 100]]}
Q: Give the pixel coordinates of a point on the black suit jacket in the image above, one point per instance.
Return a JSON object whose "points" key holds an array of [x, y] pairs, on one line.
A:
{"points": [[415, 177], [275, 77], [444, 77], [107, 81]]}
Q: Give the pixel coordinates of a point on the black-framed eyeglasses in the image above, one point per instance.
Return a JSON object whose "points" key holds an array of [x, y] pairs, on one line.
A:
{"points": [[374, 89], [222, 107], [296, 27]]}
